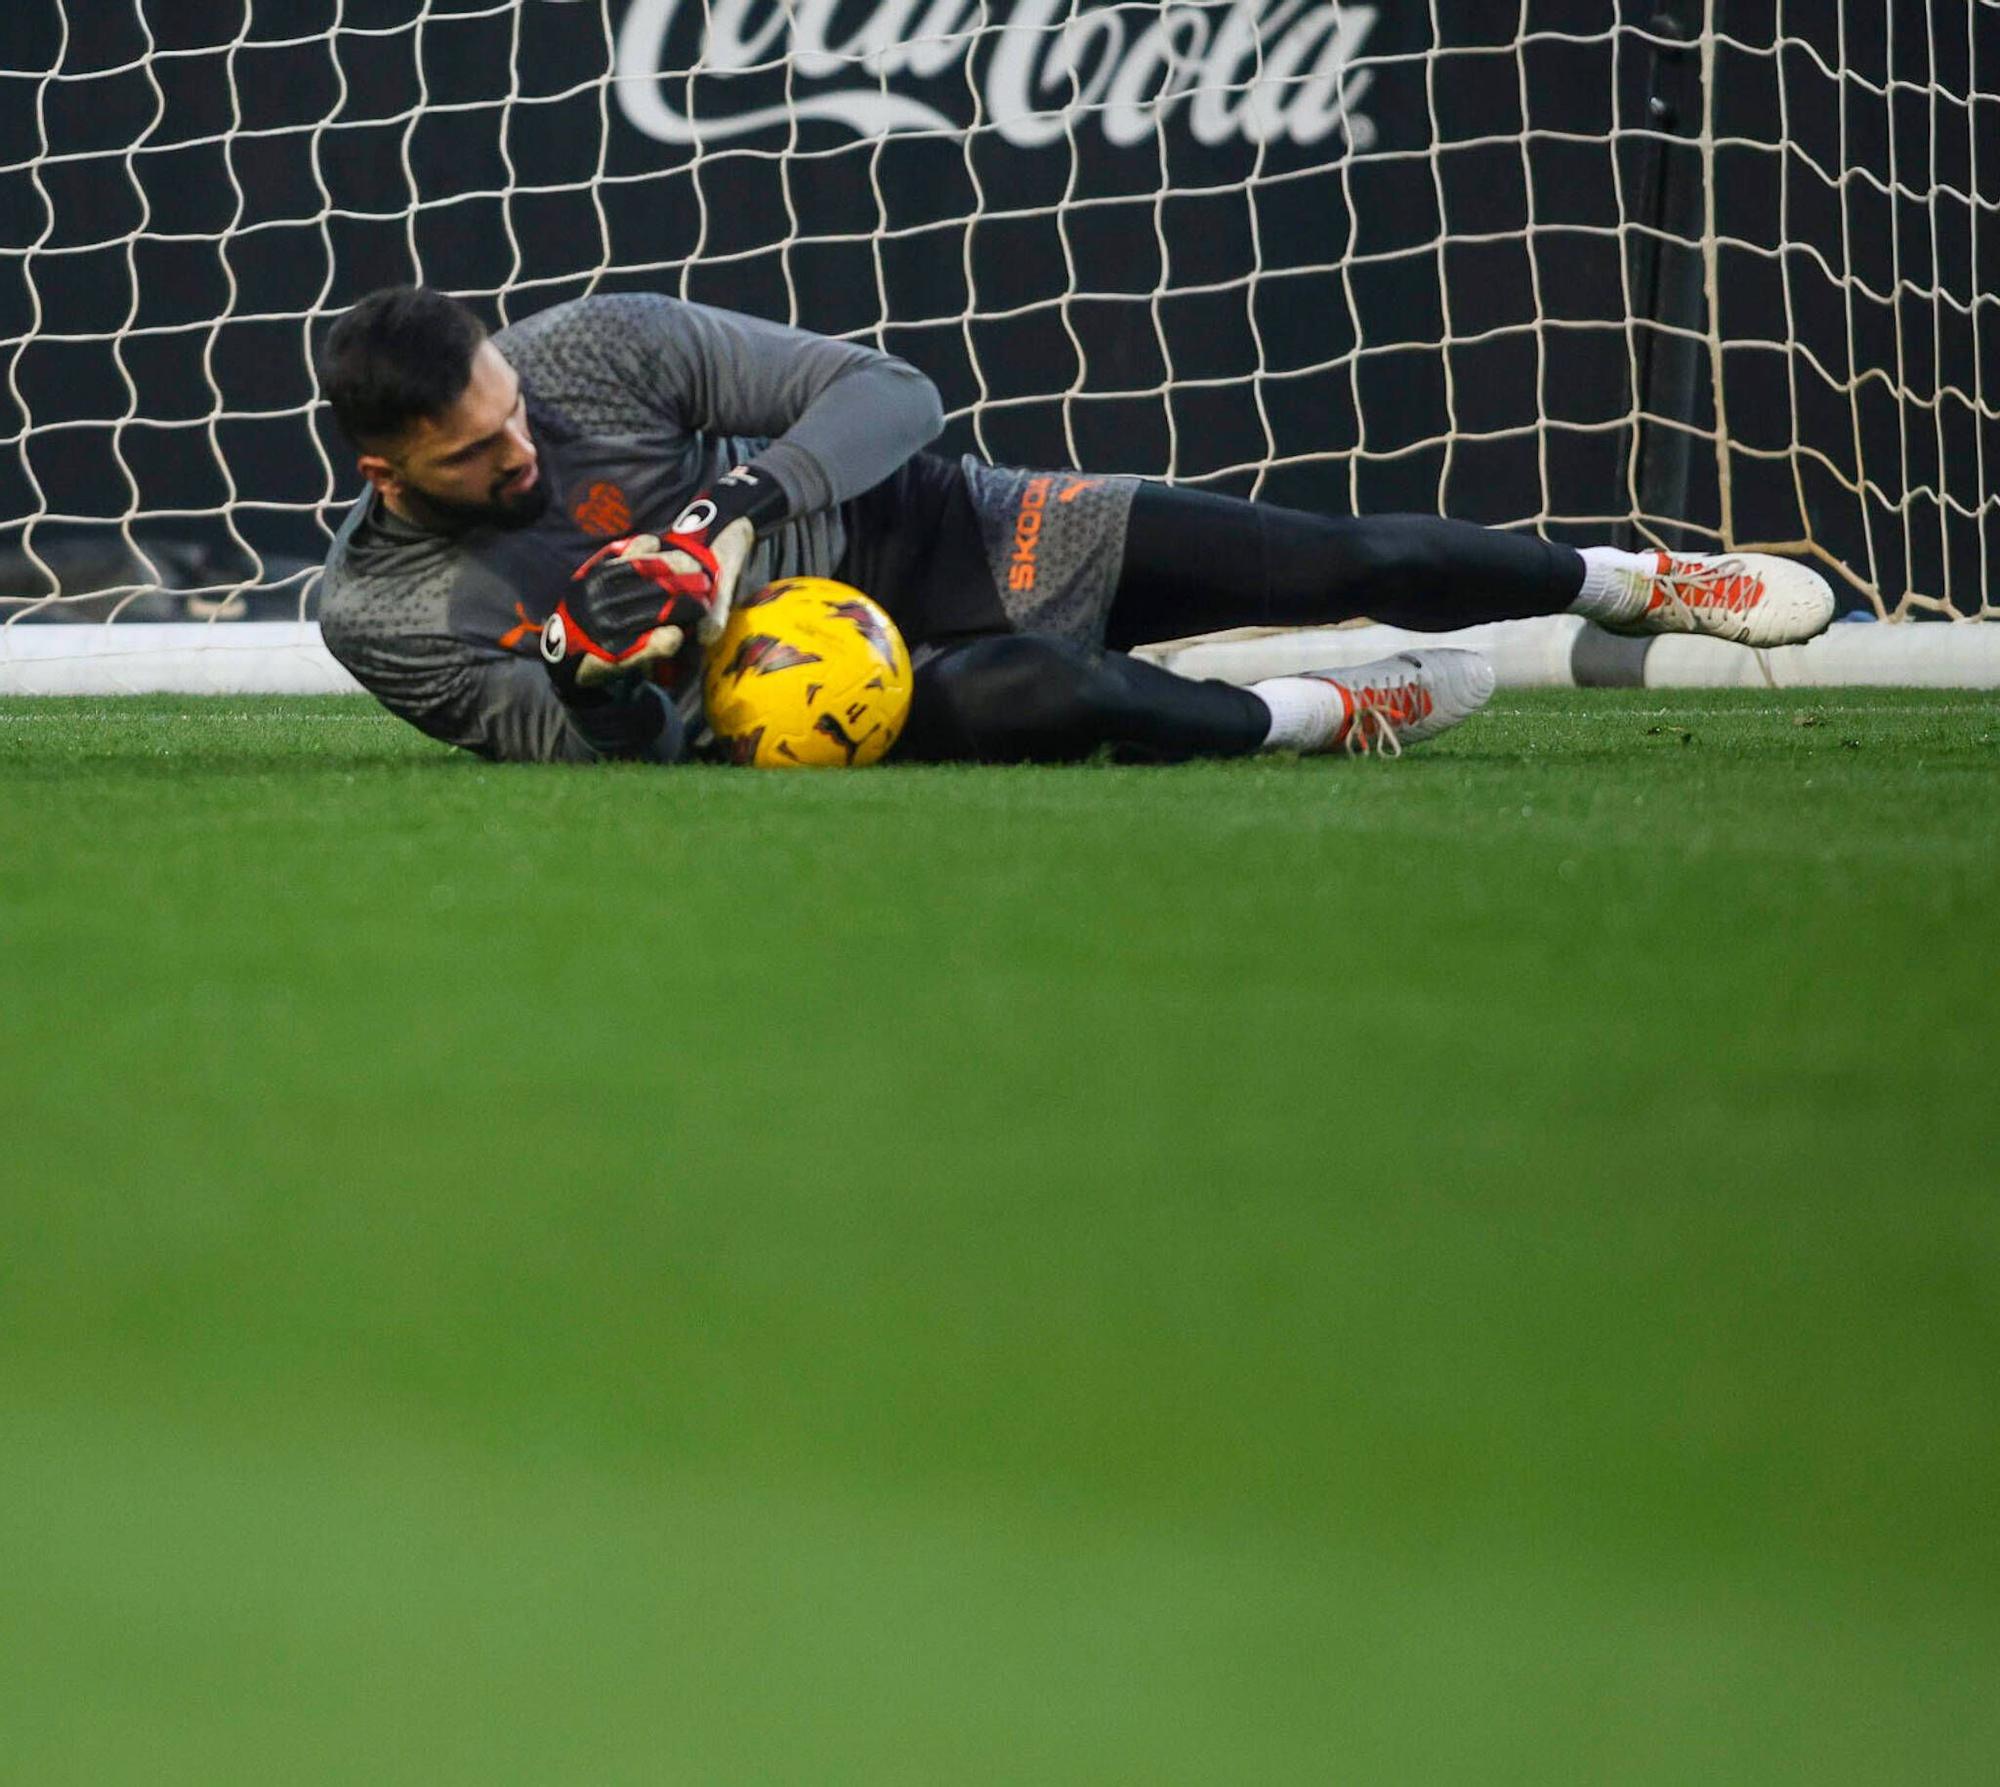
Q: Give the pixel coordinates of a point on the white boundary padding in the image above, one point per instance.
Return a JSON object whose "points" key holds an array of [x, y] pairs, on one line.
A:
{"points": [[170, 658], [1938, 656], [1558, 651], [1533, 654], [1563, 651]]}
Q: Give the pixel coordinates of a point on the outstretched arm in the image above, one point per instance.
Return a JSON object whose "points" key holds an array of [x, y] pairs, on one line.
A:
{"points": [[839, 417]]}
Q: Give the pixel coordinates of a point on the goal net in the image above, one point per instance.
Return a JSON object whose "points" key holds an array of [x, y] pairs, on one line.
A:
{"points": [[1710, 274]]}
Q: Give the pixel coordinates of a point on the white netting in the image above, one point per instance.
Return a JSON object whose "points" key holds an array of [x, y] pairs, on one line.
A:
{"points": [[1534, 262]]}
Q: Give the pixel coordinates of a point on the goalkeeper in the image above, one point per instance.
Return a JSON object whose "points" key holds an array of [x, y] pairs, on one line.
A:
{"points": [[496, 467]]}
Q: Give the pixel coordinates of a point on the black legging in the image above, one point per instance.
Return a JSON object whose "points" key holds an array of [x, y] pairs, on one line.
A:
{"points": [[1197, 563], [1034, 698]]}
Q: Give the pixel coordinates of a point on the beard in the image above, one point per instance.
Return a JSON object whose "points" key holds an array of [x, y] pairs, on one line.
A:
{"points": [[444, 515]]}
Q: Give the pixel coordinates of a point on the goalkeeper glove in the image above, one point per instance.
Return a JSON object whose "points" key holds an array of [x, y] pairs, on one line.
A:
{"points": [[642, 596], [715, 532]]}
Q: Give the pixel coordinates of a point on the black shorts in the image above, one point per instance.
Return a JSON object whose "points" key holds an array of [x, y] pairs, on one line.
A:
{"points": [[914, 544]]}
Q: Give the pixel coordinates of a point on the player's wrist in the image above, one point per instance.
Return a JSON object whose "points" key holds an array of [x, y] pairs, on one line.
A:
{"points": [[565, 672], [634, 719], [745, 493], [720, 528]]}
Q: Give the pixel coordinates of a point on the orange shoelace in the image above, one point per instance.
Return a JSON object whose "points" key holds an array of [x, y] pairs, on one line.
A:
{"points": [[1727, 584], [1376, 712]]}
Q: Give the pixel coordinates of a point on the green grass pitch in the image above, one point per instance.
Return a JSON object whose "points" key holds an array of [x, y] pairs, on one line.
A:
{"points": [[1480, 1268]]}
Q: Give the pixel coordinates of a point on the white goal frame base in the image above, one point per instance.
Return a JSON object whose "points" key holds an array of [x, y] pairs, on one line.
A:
{"points": [[1556, 652], [1564, 651], [240, 657]]}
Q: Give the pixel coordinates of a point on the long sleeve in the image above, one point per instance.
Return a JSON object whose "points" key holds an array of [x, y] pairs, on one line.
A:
{"points": [[504, 709], [839, 417]]}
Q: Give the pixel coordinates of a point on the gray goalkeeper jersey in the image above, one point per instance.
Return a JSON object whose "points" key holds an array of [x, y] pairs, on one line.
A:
{"points": [[637, 403]]}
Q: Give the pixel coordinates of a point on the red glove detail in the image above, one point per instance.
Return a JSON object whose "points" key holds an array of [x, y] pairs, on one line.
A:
{"points": [[630, 587], [669, 579]]}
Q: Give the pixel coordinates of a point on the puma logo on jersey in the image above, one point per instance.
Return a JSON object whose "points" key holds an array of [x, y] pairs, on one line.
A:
{"points": [[516, 635]]}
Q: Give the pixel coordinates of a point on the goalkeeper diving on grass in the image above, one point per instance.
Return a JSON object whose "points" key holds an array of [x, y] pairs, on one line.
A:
{"points": [[689, 456]]}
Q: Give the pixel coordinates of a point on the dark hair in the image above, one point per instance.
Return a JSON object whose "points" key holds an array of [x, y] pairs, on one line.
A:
{"points": [[399, 356]]}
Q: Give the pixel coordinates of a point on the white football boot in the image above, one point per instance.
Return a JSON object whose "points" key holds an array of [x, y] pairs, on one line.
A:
{"points": [[1751, 598], [1406, 699]]}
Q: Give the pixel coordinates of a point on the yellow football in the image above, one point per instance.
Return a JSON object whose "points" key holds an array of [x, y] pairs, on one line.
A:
{"points": [[808, 674]]}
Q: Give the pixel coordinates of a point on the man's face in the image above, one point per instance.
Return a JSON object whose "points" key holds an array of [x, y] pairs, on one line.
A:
{"points": [[474, 463]]}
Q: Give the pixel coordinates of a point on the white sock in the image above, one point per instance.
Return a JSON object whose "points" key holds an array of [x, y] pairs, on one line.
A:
{"points": [[1306, 713], [1616, 585]]}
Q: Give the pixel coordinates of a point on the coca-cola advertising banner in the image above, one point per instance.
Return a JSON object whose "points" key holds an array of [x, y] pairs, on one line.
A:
{"points": [[1220, 242], [1258, 72]]}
